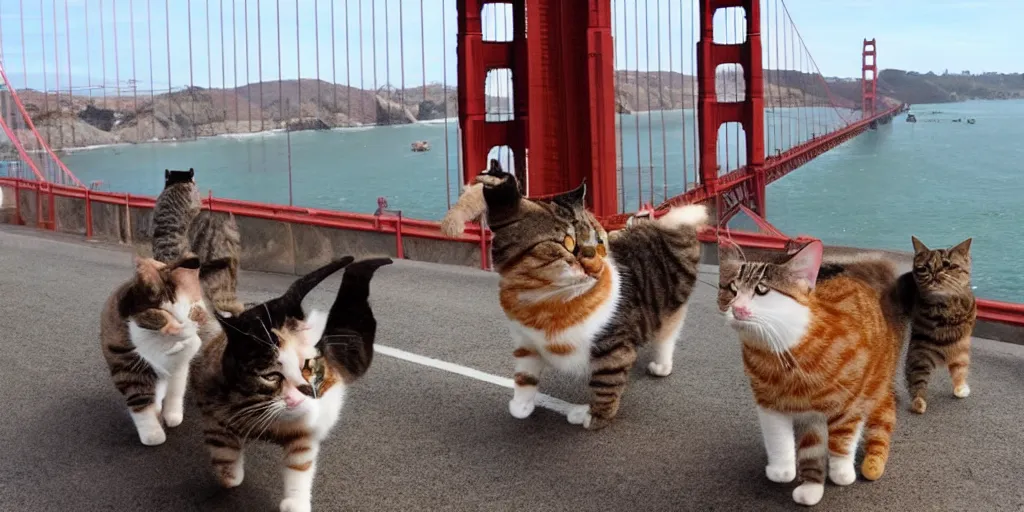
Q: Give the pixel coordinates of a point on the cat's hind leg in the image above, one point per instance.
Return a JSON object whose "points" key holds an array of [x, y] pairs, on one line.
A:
{"points": [[226, 455], [528, 367], [878, 434], [958, 359], [609, 375], [665, 342]]}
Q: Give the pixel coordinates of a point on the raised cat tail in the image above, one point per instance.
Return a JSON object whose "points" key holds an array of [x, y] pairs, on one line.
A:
{"points": [[692, 215], [351, 327]]}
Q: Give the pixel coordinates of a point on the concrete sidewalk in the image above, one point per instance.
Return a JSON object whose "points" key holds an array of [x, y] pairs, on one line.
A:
{"points": [[414, 437]]}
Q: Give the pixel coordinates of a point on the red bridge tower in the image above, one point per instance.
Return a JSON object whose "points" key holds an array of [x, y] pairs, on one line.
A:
{"points": [[868, 88]]}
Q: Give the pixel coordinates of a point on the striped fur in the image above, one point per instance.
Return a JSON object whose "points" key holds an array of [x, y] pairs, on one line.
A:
{"points": [[580, 302], [943, 321], [278, 374], [179, 226], [149, 331], [820, 345]]}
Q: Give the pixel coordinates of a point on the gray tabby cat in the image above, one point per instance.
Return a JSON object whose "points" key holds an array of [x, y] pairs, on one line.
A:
{"points": [[181, 225]]}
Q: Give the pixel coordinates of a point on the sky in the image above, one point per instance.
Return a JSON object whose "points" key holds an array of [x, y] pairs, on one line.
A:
{"points": [[382, 40]]}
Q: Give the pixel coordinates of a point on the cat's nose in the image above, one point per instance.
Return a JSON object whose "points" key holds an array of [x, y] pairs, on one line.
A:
{"points": [[740, 312]]}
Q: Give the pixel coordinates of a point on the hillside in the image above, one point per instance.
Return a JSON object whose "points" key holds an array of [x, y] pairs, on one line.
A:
{"points": [[311, 104]]}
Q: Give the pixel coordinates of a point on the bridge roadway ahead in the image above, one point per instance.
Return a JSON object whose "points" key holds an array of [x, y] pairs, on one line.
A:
{"points": [[414, 437]]}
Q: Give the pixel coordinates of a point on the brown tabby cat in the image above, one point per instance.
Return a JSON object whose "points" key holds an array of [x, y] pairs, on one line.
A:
{"points": [[578, 300], [278, 374], [149, 331], [180, 225], [944, 318], [820, 344]]}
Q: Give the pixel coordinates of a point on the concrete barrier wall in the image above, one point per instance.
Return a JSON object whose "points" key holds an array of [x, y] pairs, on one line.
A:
{"points": [[267, 245], [293, 248]]}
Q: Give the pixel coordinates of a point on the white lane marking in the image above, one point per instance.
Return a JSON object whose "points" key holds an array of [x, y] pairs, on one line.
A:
{"points": [[546, 401]]}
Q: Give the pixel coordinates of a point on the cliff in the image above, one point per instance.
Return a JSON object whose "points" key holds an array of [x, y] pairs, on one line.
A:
{"points": [[307, 104]]}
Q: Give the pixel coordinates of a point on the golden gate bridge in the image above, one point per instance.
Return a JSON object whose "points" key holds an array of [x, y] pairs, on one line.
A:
{"points": [[563, 91]]}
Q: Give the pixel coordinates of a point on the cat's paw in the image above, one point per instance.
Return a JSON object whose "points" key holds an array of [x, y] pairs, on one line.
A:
{"points": [[520, 409], [781, 472], [579, 415], [962, 391], [172, 328], [842, 472], [919, 405], [596, 422], [173, 415], [660, 369], [296, 505], [230, 476], [872, 467], [808, 493], [152, 436]]}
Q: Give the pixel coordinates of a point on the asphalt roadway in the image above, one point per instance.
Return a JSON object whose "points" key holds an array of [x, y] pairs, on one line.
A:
{"points": [[414, 437]]}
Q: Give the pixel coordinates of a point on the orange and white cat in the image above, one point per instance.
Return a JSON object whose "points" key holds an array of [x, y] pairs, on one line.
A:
{"points": [[820, 345]]}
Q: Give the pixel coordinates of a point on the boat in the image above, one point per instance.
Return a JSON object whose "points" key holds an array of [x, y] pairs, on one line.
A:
{"points": [[911, 118], [420, 146]]}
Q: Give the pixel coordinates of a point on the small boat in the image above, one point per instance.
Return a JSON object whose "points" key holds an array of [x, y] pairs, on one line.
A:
{"points": [[420, 146], [911, 118], [970, 121]]}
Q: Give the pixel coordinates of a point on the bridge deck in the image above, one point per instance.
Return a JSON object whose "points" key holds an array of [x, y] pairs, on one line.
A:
{"points": [[415, 437]]}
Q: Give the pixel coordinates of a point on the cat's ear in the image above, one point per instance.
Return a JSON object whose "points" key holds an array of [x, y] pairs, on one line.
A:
{"points": [[303, 285], [148, 270], [192, 174], [573, 198], [501, 193], [919, 246], [962, 248], [167, 174], [804, 265]]}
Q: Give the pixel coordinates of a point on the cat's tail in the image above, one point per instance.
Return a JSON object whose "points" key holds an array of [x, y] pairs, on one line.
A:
{"points": [[469, 207], [351, 327], [692, 215]]}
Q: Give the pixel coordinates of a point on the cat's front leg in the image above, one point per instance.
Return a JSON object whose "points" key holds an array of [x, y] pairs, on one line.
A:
{"points": [[226, 454], [528, 367], [299, 470], [174, 403], [779, 443]]}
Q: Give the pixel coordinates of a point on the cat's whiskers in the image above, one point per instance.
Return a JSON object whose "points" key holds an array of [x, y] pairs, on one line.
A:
{"points": [[239, 331]]}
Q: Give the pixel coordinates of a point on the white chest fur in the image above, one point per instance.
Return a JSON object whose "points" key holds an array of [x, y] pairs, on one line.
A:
{"points": [[568, 350], [167, 353]]}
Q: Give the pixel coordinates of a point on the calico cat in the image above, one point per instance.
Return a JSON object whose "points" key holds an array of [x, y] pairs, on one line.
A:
{"points": [[278, 374], [180, 225], [149, 331], [820, 344], [580, 301], [943, 321]]}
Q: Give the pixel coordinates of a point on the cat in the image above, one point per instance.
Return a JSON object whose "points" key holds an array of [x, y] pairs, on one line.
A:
{"points": [[150, 328], [278, 374], [943, 320], [580, 300], [821, 345], [181, 225]]}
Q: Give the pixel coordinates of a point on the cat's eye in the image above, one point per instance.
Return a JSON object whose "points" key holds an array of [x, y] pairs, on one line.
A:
{"points": [[920, 269], [732, 287], [761, 289], [272, 377], [569, 243]]}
